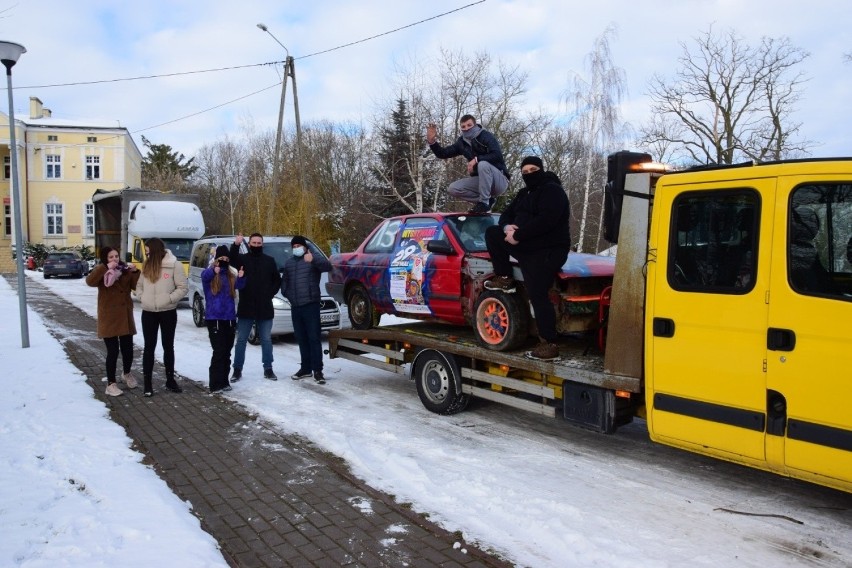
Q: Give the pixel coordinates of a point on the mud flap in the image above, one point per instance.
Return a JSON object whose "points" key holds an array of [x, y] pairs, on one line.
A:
{"points": [[589, 407]]}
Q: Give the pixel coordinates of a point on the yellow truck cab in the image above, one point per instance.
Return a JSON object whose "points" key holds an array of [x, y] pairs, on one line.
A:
{"points": [[748, 316]]}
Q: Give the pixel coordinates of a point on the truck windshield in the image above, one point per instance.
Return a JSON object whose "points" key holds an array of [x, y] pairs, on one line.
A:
{"points": [[181, 248]]}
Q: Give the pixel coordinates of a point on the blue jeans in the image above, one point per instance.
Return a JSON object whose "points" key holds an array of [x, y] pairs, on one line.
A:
{"points": [[264, 331], [307, 328]]}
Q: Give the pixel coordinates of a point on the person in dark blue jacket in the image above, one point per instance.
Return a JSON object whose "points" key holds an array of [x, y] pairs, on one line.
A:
{"points": [[220, 284], [300, 284], [488, 177]]}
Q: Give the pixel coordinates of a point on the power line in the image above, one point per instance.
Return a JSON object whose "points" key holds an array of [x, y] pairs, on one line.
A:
{"points": [[389, 32], [148, 76], [243, 67]]}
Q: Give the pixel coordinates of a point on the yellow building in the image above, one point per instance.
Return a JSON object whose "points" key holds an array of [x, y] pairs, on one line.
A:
{"points": [[60, 165]]}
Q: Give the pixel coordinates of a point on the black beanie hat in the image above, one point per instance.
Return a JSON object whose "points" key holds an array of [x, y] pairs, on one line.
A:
{"points": [[299, 240], [221, 251], [533, 160]]}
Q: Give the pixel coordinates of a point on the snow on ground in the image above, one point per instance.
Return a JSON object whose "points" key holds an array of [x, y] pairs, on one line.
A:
{"points": [[534, 490], [72, 492]]}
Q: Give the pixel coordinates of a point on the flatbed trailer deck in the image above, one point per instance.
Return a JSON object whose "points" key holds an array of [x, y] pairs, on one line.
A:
{"points": [[449, 366]]}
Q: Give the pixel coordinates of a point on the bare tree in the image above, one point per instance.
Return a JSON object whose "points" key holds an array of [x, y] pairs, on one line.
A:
{"points": [[730, 101], [597, 119]]}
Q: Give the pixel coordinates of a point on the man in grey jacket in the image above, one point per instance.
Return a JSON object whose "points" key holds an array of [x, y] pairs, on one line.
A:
{"points": [[300, 284]]}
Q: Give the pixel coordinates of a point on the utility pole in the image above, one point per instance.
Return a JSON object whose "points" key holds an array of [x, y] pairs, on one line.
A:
{"points": [[302, 181], [289, 71]]}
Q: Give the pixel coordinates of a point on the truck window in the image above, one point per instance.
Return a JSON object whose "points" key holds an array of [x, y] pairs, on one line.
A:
{"points": [[713, 244], [819, 240]]}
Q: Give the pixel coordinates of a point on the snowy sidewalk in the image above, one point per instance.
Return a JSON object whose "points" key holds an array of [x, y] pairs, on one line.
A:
{"points": [[268, 499]]}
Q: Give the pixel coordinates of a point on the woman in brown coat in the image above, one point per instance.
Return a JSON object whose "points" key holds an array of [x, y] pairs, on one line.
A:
{"points": [[114, 281]]}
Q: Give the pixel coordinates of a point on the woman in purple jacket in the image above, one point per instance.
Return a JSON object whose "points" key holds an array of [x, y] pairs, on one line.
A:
{"points": [[220, 291]]}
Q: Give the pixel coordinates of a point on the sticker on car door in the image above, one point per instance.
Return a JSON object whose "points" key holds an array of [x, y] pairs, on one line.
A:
{"points": [[408, 269]]}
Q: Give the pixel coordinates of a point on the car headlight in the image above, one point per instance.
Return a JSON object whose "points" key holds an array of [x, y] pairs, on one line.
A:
{"points": [[279, 303]]}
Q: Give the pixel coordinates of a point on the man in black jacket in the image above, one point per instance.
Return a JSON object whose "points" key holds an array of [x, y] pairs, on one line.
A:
{"points": [[488, 178], [534, 229], [300, 284], [255, 306]]}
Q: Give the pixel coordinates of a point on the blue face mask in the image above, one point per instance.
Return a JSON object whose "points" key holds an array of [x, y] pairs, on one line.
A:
{"points": [[298, 252]]}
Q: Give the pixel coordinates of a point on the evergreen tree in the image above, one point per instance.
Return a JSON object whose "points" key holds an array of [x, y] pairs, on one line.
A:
{"points": [[165, 169]]}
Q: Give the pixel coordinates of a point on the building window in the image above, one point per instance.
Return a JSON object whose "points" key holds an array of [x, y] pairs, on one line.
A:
{"points": [[92, 139], [7, 219], [89, 219], [54, 166], [53, 218], [7, 167], [93, 167], [52, 138]]}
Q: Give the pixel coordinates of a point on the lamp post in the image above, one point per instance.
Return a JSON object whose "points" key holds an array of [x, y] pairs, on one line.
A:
{"points": [[9, 54], [289, 71]]}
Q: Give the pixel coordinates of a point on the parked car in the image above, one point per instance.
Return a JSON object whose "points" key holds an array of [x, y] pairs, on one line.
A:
{"points": [[279, 248], [63, 263], [433, 265]]}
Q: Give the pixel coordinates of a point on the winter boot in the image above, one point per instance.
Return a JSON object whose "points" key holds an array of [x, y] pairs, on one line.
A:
{"points": [[171, 383], [147, 388]]}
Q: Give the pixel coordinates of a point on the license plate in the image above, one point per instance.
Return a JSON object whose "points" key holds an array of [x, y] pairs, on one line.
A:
{"points": [[328, 318], [59, 266]]}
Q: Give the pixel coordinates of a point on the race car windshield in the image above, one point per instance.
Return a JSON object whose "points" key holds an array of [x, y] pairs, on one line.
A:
{"points": [[471, 230]]}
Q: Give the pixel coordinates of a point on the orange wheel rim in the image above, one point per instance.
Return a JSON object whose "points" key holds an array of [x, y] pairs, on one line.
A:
{"points": [[493, 322]]}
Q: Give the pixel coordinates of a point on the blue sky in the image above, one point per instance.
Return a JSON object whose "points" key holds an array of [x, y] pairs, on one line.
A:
{"points": [[103, 39]]}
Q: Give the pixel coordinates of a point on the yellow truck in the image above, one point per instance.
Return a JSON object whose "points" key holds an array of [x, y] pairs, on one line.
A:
{"points": [[728, 327]]}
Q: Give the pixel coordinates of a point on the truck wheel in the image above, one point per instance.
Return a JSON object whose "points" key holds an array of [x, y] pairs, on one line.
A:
{"points": [[362, 315], [435, 378], [253, 337], [502, 322], [197, 311]]}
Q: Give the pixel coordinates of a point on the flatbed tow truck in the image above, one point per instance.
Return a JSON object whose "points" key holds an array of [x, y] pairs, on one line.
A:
{"points": [[726, 328]]}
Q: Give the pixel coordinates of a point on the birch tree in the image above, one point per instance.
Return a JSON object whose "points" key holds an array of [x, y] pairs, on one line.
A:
{"points": [[596, 101]]}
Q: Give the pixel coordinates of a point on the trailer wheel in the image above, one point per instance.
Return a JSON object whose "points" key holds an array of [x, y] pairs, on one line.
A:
{"points": [[362, 314], [197, 311], [435, 378], [502, 322]]}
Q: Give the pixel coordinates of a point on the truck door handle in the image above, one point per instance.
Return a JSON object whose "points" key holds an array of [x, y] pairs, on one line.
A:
{"points": [[778, 339], [664, 327]]}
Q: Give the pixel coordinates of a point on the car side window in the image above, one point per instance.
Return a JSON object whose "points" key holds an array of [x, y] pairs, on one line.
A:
{"points": [[714, 241], [819, 240], [384, 237]]}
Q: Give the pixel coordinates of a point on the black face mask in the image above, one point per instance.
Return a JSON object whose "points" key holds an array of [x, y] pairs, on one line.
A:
{"points": [[223, 265], [533, 179], [256, 250]]}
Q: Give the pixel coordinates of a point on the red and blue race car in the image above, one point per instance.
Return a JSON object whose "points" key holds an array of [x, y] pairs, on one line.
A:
{"points": [[433, 265]]}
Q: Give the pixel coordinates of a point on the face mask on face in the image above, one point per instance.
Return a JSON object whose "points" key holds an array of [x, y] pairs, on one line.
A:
{"points": [[299, 252], [256, 249], [223, 265], [533, 179], [472, 132]]}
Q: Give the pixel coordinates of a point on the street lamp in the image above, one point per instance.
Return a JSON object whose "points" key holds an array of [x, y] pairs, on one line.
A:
{"points": [[9, 54], [289, 70]]}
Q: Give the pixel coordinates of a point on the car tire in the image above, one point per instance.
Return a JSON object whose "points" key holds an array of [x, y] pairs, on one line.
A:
{"points": [[253, 337], [197, 311], [362, 314], [435, 375], [501, 320], [46, 277]]}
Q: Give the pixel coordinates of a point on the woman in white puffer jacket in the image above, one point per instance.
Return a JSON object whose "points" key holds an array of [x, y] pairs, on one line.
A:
{"points": [[160, 288]]}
